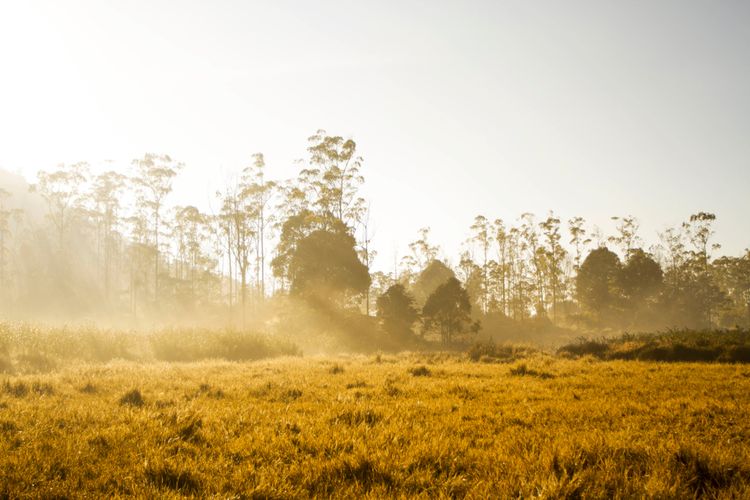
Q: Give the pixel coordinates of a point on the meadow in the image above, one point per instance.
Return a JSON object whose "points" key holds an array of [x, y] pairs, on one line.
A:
{"points": [[429, 425]]}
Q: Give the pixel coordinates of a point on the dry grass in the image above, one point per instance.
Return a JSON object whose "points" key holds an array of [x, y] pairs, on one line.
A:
{"points": [[291, 428]]}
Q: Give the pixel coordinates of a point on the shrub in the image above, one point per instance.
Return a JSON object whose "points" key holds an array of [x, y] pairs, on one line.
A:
{"points": [[89, 388], [169, 476], [703, 474], [132, 398], [358, 417], [42, 388], [522, 369], [17, 390], [420, 371], [732, 346], [584, 347], [489, 352]]}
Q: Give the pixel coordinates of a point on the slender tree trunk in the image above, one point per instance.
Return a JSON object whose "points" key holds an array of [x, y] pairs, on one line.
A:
{"points": [[262, 255], [2, 262], [156, 258], [243, 272]]}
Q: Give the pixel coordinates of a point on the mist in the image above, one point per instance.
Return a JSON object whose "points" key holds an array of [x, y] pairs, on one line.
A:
{"points": [[297, 257], [488, 249]]}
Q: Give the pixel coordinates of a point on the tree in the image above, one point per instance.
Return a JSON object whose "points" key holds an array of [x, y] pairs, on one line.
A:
{"points": [[578, 238], [397, 312], [154, 175], [240, 231], [293, 230], [470, 274], [520, 281], [189, 232], [704, 295], [641, 280], [699, 232], [627, 238], [596, 283], [537, 257], [422, 250], [365, 251], [335, 176], [62, 190], [733, 274], [502, 270], [555, 255], [325, 268], [106, 193], [6, 215], [432, 276], [448, 311], [641, 277], [258, 191], [673, 245], [482, 236]]}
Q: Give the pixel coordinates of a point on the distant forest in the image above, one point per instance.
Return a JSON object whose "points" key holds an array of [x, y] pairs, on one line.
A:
{"points": [[111, 247]]}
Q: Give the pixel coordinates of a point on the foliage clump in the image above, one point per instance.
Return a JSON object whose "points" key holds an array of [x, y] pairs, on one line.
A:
{"points": [[166, 475], [523, 370], [727, 346], [397, 312], [420, 371], [448, 312], [490, 351], [17, 390], [336, 369], [132, 398]]}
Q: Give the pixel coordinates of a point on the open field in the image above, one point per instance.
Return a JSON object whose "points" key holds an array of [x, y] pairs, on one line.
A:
{"points": [[379, 426]]}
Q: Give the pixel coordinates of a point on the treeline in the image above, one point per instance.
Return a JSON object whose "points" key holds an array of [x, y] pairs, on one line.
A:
{"points": [[111, 245]]}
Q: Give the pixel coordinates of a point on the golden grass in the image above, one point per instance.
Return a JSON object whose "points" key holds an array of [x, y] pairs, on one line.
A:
{"points": [[411, 425]]}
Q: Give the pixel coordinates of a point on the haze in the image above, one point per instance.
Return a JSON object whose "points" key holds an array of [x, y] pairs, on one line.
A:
{"points": [[415, 249], [588, 108]]}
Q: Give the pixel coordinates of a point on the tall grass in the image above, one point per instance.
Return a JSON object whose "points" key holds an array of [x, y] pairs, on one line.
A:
{"points": [[29, 348]]}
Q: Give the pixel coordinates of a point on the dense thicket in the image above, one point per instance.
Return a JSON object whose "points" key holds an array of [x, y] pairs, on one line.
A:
{"points": [[111, 245]]}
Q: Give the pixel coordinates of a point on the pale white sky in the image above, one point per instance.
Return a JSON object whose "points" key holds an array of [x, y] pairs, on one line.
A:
{"points": [[593, 108]]}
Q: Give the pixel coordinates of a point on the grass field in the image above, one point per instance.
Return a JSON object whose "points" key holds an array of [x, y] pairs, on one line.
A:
{"points": [[409, 425]]}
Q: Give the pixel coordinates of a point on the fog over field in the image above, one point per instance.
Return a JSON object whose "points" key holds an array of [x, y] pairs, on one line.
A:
{"points": [[480, 249]]}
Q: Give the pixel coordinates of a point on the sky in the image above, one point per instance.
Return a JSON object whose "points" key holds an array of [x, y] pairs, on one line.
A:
{"points": [[591, 108]]}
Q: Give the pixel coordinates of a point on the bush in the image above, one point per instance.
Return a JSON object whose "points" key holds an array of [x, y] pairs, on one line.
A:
{"points": [[420, 371], [166, 475], [132, 398], [583, 347], [489, 351], [729, 346]]}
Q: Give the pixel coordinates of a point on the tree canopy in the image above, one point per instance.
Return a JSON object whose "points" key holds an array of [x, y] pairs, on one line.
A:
{"points": [[397, 311], [448, 311], [325, 267], [597, 281], [91, 241]]}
